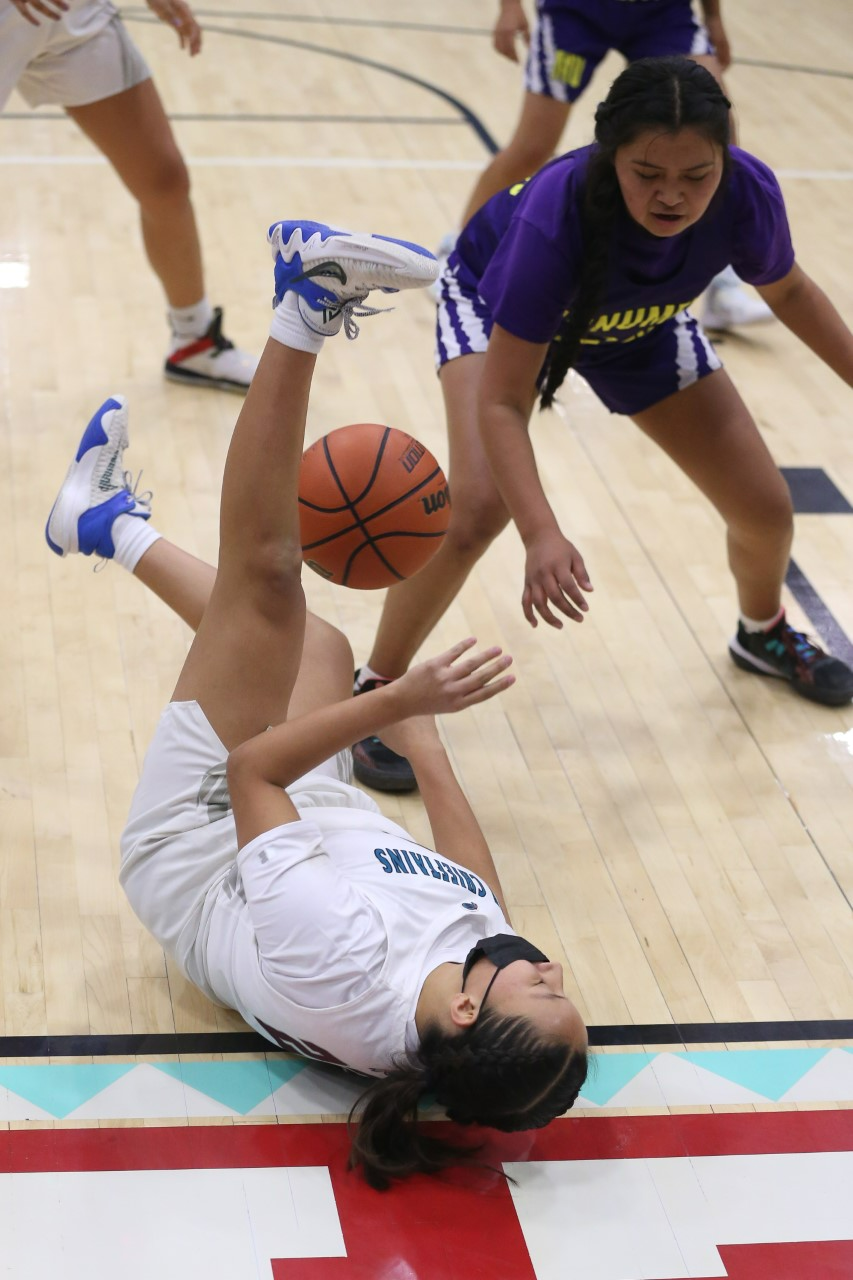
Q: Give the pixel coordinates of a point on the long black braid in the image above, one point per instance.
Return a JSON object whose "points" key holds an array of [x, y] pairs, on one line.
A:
{"points": [[667, 93], [499, 1073]]}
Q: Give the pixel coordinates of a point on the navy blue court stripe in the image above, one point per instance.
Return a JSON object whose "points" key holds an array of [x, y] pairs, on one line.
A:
{"points": [[465, 112], [821, 616], [83, 1046], [813, 493]]}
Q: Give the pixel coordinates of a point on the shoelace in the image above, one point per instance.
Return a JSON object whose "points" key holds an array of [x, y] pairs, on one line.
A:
{"points": [[142, 499], [804, 647], [351, 308]]}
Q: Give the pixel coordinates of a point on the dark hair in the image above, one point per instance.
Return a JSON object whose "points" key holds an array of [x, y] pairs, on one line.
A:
{"points": [[499, 1072], [669, 93]]}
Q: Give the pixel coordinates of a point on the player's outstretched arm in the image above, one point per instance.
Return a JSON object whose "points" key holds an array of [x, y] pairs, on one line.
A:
{"points": [[260, 768], [805, 309], [555, 576], [456, 833]]}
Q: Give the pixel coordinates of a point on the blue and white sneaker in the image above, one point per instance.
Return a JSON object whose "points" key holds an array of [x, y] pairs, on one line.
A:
{"points": [[96, 489], [332, 272]]}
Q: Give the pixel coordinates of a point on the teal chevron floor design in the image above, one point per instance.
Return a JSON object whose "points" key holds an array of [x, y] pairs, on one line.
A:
{"points": [[276, 1086]]}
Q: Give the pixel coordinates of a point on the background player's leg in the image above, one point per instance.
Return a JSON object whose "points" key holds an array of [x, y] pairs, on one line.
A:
{"points": [[131, 129], [536, 138], [710, 434], [243, 663], [412, 608], [185, 583]]}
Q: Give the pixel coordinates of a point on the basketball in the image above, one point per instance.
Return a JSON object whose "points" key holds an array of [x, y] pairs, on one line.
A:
{"points": [[373, 506]]}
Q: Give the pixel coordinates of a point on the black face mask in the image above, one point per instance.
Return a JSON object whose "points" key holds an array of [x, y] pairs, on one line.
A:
{"points": [[502, 949]]}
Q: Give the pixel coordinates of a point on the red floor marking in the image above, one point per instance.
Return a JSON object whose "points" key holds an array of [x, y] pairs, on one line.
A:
{"points": [[423, 1228], [463, 1227], [814, 1260]]}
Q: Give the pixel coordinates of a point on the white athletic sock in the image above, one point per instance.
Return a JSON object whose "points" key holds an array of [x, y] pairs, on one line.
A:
{"points": [[132, 536], [191, 322], [367, 673], [753, 625], [288, 327]]}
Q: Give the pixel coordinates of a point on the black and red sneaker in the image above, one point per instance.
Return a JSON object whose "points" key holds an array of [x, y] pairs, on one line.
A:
{"points": [[376, 765], [791, 656], [211, 360]]}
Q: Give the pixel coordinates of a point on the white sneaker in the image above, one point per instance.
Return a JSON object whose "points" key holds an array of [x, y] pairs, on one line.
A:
{"points": [[728, 305], [96, 489], [211, 360], [331, 272]]}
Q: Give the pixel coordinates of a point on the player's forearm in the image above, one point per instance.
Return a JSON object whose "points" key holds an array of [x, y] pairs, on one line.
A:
{"points": [[711, 9], [806, 310], [455, 830], [508, 448], [287, 751]]}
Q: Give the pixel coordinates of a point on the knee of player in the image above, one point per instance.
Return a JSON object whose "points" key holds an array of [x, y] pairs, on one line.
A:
{"points": [[770, 513], [526, 154], [475, 521], [273, 569], [167, 184]]}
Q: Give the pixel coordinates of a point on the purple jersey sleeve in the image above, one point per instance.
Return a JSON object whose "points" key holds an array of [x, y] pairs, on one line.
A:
{"points": [[762, 252], [535, 267]]}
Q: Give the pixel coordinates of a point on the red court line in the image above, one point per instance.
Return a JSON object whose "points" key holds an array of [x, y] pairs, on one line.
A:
{"points": [[587, 1138]]}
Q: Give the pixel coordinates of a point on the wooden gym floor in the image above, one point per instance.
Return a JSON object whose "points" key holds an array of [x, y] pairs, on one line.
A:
{"points": [[676, 832]]}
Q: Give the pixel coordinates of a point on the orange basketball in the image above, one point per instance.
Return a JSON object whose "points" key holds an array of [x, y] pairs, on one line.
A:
{"points": [[373, 506]]}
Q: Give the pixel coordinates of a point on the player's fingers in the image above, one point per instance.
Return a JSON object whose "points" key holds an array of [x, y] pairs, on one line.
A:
{"points": [[492, 663], [490, 690], [476, 661], [570, 591], [452, 655]]}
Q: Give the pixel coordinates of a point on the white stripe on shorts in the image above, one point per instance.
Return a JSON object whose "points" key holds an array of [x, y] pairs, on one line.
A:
{"points": [[456, 304], [701, 41], [686, 362]]}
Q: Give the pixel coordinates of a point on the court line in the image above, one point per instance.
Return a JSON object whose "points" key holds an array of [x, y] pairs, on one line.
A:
{"points": [[406, 163], [384, 24], [685, 1033], [343, 56]]}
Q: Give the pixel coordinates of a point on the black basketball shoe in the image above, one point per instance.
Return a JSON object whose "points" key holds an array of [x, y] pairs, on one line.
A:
{"points": [[376, 765], [791, 656]]}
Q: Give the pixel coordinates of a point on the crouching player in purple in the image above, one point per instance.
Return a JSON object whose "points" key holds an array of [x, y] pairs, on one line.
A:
{"points": [[592, 265]]}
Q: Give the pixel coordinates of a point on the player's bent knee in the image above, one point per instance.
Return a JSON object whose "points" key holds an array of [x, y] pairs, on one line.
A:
{"points": [[475, 525], [167, 185], [273, 573]]}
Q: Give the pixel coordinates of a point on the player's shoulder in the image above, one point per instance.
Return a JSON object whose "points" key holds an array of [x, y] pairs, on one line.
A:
{"points": [[747, 169], [557, 189]]}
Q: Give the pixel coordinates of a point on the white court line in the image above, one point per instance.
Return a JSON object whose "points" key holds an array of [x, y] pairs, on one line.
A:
{"points": [[266, 162], [356, 162]]}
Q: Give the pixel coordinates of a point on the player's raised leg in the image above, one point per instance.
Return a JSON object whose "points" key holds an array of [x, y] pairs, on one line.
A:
{"points": [[245, 658]]}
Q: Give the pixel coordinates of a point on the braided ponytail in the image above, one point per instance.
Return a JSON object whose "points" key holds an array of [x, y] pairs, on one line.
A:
{"points": [[499, 1072], [667, 93]]}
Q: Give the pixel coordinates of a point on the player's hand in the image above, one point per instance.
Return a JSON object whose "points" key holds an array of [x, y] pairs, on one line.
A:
{"points": [[720, 41], [512, 22], [52, 9], [453, 681], [178, 14], [555, 578]]}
